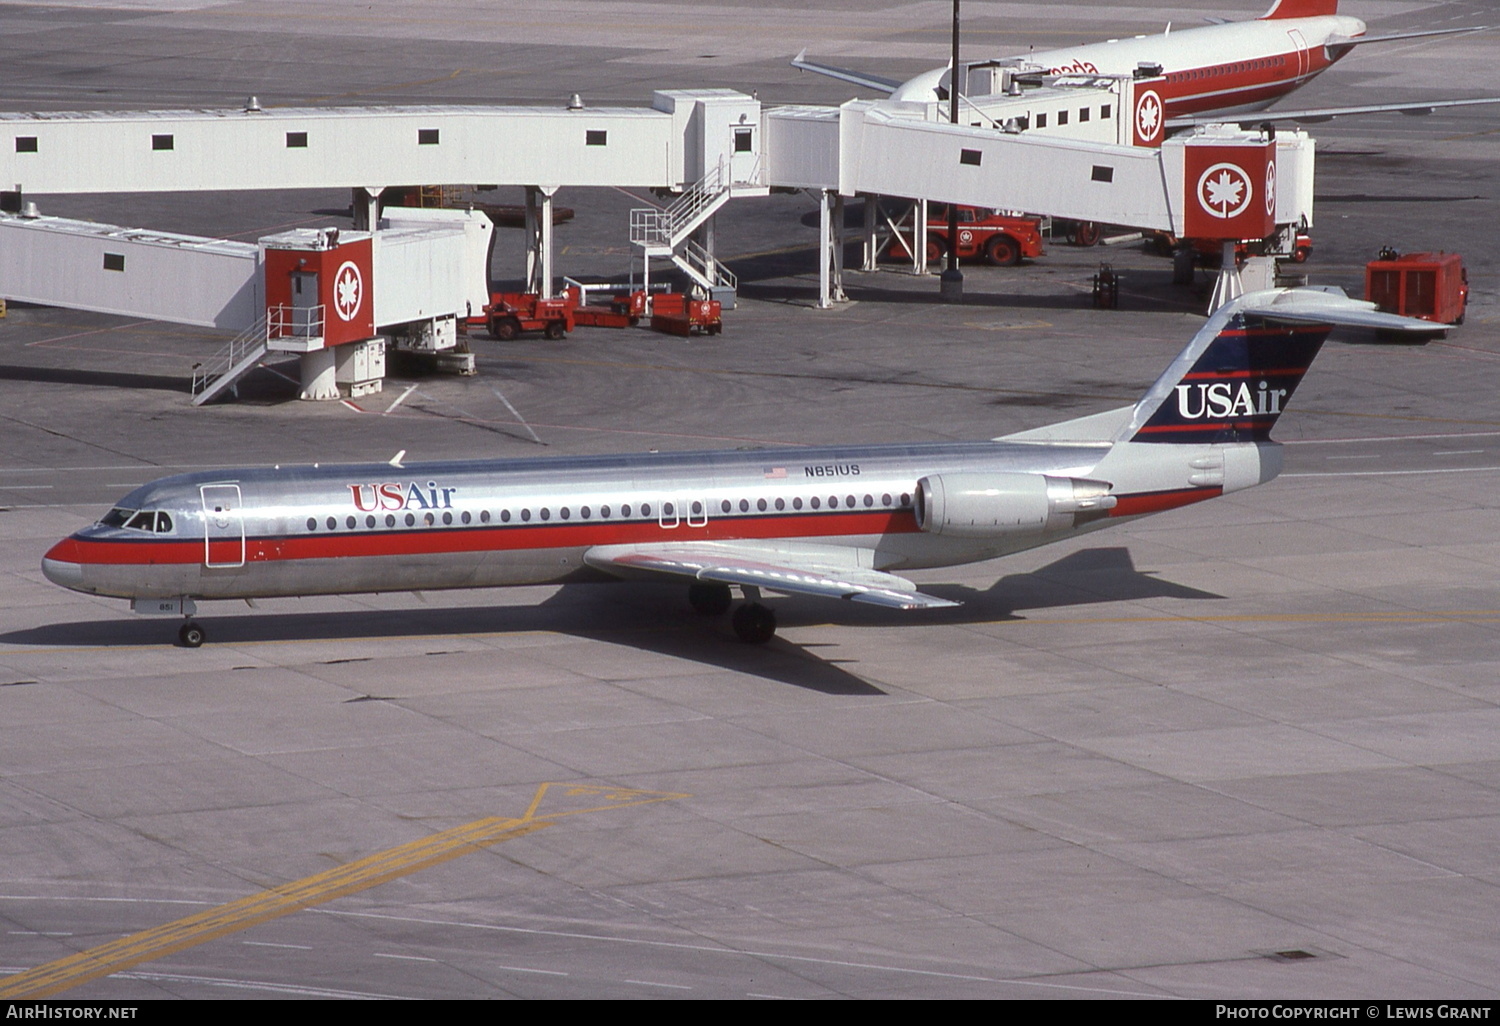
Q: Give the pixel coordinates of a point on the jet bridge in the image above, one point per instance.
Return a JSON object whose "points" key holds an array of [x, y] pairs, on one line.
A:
{"points": [[672, 145], [320, 293], [1088, 148]]}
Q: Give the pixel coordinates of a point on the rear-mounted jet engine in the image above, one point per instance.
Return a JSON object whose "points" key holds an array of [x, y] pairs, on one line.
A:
{"points": [[993, 505]]}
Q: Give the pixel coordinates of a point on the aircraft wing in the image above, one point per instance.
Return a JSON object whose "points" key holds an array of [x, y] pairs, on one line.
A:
{"points": [[786, 567], [1324, 113], [879, 83]]}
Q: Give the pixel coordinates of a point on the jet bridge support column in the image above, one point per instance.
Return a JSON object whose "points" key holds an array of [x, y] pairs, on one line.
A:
{"points": [[870, 248], [539, 239], [364, 206], [830, 249], [705, 238], [919, 238]]}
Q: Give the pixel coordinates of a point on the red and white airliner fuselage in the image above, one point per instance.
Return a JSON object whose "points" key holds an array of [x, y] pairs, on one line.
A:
{"points": [[1232, 68]]}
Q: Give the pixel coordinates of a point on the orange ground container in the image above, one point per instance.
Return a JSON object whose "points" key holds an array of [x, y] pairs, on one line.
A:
{"points": [[1432, 286]]}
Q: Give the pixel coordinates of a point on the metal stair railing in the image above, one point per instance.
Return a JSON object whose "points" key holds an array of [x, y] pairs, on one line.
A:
{"points": [[658, 226], [208, 372], [713, 272]]}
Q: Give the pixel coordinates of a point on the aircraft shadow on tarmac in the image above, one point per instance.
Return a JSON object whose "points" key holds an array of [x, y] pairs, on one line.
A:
{"points": [[656, 618], [102, 379]]}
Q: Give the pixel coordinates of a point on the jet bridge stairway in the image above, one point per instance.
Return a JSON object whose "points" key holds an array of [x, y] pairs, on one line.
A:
{"points": [[224, 369], [668, 232]]}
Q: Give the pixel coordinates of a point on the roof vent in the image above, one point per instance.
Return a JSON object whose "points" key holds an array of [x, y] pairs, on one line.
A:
{"points": [[575, 102], [252, 105]]}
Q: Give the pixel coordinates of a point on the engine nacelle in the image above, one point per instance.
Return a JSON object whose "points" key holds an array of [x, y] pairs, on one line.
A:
{"points": [[995, 505]]}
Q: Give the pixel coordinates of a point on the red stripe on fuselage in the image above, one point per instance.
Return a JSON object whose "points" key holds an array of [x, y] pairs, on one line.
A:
{"points": [[1220, 87], [1156, 502], [344, 544]]}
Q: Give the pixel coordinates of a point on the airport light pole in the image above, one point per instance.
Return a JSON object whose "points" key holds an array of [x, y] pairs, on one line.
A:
{"points": [[951, 282]]}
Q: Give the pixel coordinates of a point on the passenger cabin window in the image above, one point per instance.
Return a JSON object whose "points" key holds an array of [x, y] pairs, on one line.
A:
{"points": [[161, 142], [25, 144], [427, 137], [296, 140], [596, 137]]}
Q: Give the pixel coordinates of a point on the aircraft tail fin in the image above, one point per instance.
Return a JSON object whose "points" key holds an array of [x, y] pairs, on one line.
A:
{"points": [[1301, 9], [1234, 379]]}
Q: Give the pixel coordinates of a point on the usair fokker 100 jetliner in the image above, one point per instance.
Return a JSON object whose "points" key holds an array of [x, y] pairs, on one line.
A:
{"points": [[830, 521]]}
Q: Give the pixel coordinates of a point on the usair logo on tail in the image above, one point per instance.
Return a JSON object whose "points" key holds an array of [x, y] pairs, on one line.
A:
{"points": [[1235, 391]]}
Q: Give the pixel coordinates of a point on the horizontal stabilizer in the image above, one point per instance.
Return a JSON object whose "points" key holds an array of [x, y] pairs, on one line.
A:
{"points": [[1326, 305], [879, 83], [791, 568], [1317, 114], [1345, 42]]}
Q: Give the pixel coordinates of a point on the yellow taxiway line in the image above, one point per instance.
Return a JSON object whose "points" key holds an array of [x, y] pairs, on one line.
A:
{"points": [[64, 973]]}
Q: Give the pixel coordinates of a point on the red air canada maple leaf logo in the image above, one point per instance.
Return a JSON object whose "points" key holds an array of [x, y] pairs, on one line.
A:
{"points": [[348, 291], [1225, 191], [1148, 119]]}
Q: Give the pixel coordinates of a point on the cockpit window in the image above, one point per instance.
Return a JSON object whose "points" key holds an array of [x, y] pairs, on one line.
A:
{"points": [[155, 521]]}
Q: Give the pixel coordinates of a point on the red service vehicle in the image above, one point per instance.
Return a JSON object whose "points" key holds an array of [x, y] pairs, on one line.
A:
{"points": [[625, 310], [1002, 239], [511, 313], [675, 314], [1432, 286], [1210, 252]]}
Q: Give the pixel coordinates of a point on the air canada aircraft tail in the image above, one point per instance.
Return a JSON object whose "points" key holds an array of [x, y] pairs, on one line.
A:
{"points": [[1237, 375], [1301, 9]]}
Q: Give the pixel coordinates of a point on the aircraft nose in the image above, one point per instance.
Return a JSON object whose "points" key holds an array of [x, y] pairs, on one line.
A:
{"points": [[61, 566]]}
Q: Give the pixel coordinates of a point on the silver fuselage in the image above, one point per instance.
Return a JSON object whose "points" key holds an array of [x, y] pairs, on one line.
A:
{"points": [[471, 524]]}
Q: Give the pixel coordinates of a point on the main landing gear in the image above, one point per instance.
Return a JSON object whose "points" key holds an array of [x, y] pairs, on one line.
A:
{"points": [[753, 623], [710, 599], [191, 635]]}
